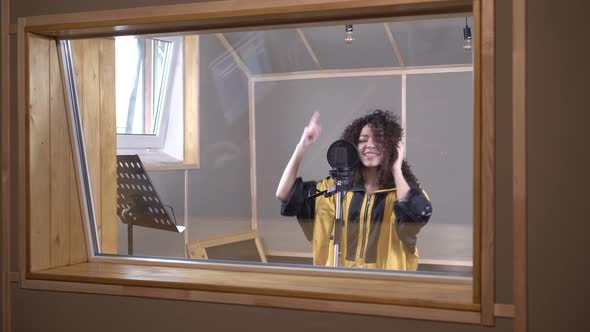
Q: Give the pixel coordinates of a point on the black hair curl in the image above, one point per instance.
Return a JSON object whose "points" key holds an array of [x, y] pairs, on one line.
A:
{"points": [[388, 133]]}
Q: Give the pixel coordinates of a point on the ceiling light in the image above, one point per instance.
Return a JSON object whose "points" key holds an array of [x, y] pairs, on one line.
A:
{"points": [[349, 38], [467, 42]]}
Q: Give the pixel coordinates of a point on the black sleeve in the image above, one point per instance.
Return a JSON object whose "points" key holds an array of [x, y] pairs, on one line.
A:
{"points": [[299, 204], [411, 215]]}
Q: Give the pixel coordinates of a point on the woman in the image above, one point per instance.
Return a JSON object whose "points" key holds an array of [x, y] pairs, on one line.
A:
{"points": [[383, 211]]}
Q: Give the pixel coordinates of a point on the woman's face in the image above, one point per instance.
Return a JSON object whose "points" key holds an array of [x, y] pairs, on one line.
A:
{"points": [[370, 151]]}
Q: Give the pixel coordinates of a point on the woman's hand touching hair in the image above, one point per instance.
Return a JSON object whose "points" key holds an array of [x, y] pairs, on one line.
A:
{"points": [[402, 186], [401, 154]]}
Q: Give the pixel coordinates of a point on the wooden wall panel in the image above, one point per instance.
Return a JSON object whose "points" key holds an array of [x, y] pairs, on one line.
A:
{"points": [[94, 70], [7, 194], [59, 168], [39, 186], [77, 56], [56, 226], [488, 140], [477, 163], [191, 99], [108, 146], [78, 251], [519, 166], [90, 108]]}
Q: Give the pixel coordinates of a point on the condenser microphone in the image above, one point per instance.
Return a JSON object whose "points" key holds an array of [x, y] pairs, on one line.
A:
{"points": [[342, 155]]}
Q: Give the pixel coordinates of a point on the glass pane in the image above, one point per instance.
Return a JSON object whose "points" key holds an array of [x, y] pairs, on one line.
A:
{"points": [[142, 71], [432, 42], [437, 145], [162, 52], [257, 93]]}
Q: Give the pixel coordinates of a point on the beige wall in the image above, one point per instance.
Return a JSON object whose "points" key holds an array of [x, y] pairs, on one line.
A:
{"points": [[558, 208]]}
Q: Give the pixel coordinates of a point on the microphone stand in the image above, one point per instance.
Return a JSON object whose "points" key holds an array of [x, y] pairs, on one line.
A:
{"points": [[338, 222], [342, 184]]}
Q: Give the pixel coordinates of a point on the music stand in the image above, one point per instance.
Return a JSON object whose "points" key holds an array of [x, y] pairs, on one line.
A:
{"points": [[138, 203]]}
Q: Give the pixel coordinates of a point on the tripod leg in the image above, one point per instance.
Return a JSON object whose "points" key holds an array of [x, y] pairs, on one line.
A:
{"points": [[130, 239]]}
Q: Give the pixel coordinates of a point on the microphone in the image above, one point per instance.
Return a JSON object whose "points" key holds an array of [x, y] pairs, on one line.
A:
{"points": [[342, 155]]}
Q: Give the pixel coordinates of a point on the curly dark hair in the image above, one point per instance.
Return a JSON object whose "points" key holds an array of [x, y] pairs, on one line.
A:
{"points": [[388, 132]]}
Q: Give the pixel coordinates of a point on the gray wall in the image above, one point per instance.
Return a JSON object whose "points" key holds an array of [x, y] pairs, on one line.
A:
{"points": [[557, 74], [98, 313], [558, 162], [439, 140]]}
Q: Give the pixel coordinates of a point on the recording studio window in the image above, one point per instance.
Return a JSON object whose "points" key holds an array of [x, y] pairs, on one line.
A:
{"points": [[261, 97]]}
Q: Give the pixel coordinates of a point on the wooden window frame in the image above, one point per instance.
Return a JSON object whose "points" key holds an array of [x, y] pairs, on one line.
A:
{"points": [[409, 295]]}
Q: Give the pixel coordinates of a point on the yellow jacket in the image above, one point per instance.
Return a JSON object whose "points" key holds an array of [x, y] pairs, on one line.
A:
{"points": [[378, 230]]}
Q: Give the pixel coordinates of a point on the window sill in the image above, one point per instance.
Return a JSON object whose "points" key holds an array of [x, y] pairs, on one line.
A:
{"points": [[166, 166], [423, 293], [159, 160]]}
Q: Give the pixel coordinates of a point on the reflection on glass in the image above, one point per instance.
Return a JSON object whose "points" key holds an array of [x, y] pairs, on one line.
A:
{"points": [[257, 92]]}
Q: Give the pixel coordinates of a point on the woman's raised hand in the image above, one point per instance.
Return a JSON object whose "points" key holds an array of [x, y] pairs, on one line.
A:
{"points": [[311, 132]]}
